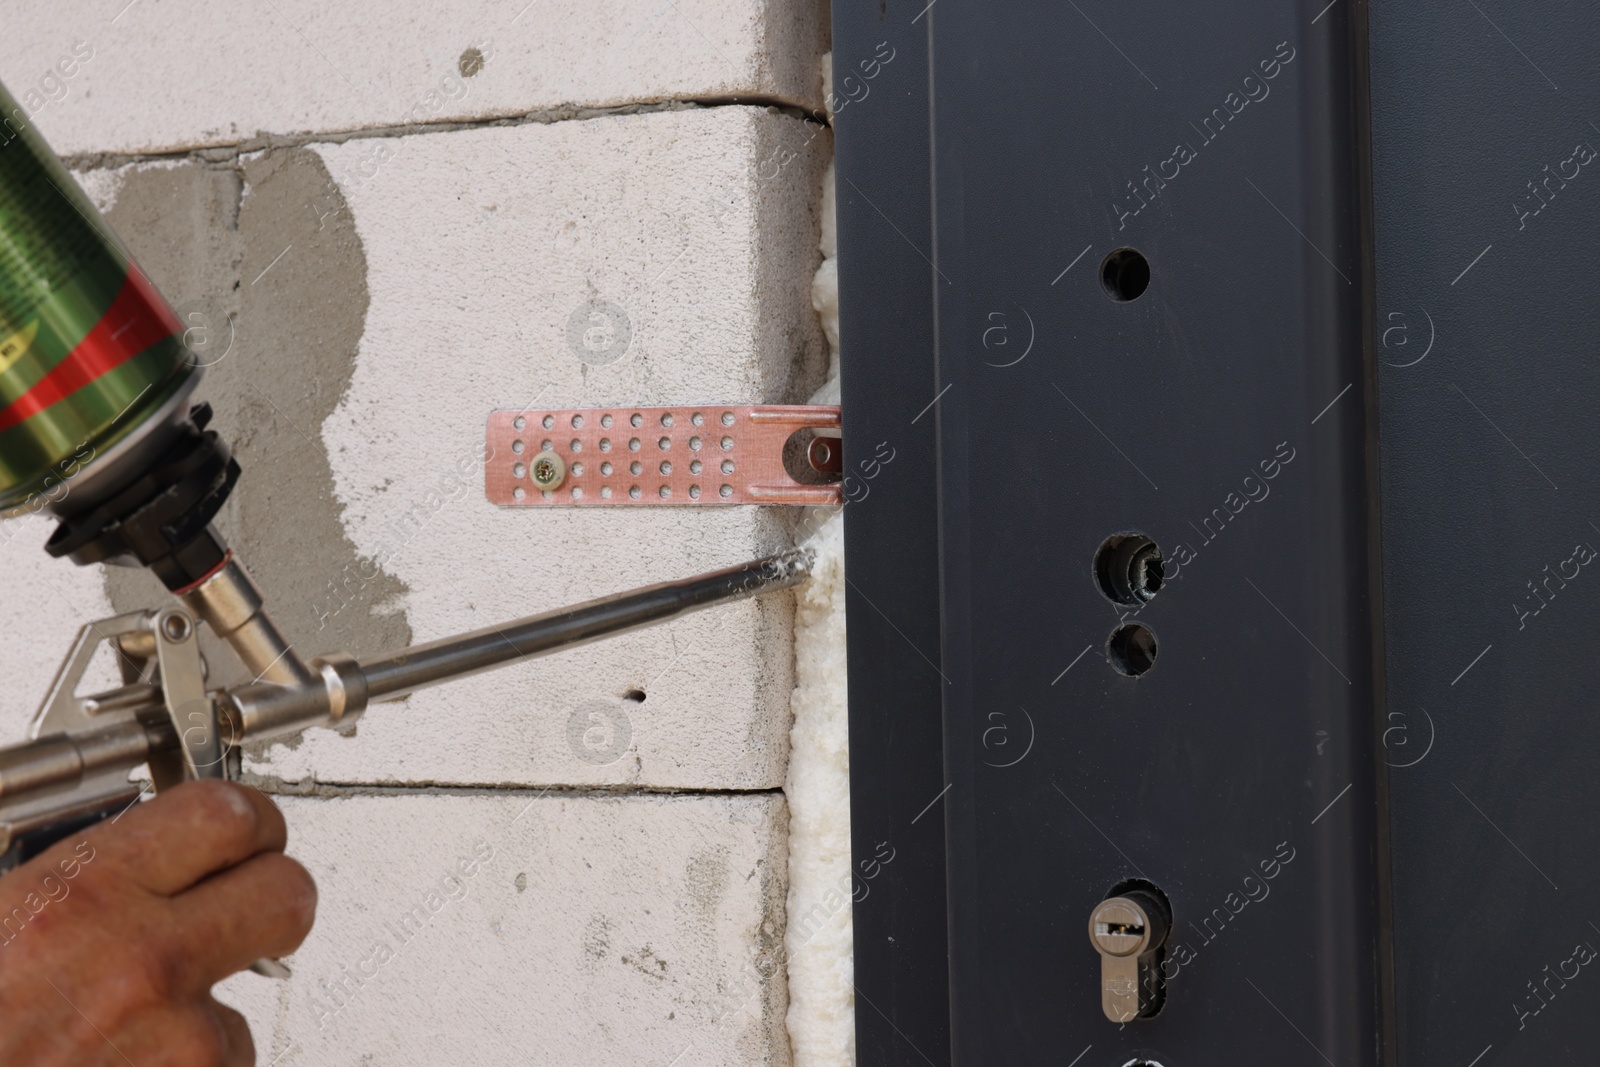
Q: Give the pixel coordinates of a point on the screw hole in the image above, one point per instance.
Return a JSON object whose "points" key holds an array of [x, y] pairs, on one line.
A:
{"points": [[1132, 649], [635, 695], [1125, 274], [1129, 570]]}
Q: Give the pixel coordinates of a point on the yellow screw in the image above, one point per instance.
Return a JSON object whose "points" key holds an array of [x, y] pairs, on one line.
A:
{"points": [[548, 471]]}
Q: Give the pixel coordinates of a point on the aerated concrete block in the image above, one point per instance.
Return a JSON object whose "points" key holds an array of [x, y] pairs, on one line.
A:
{"points": [[540, 930], [148, 76]]}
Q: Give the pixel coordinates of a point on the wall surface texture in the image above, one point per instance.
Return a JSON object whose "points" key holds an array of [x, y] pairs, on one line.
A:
{"points": [[386, 223]]}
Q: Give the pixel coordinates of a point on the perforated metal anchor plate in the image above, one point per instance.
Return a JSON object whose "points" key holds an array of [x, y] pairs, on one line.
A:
{"points": [[656, 456]]}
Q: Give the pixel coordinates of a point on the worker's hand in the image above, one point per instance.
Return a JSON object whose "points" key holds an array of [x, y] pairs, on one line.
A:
{"points": [[111, 940]]}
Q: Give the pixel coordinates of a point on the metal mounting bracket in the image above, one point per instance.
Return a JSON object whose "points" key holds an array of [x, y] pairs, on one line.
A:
{"points": [[688, 455]]}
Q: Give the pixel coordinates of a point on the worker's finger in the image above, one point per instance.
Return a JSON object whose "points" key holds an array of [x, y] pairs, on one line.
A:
{"points": [[262, 907], [188, 832], [241, 1051], [176, 1034]]}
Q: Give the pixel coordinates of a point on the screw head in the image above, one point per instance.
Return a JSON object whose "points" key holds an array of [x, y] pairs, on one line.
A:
{"points": [[1119, 927], [548, 470]]}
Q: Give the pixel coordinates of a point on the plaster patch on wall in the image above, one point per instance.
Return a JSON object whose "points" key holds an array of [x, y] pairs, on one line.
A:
{"points": [[303, 315], [282, 286], [821, 1016]]}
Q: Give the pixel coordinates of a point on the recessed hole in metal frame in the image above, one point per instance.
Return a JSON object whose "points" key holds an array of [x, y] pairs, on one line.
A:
{"points": [[1125, 273], [1131, 649], [1129, 569]]}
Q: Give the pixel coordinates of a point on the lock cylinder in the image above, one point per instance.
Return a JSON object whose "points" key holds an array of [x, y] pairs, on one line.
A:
{"points": [[1128, 932]]}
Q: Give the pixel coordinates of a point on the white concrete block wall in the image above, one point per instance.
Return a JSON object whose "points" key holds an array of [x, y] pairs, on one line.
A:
{"points": [[480, 245], [569, 931], [382, 293], [41, 610], [181, 74]]}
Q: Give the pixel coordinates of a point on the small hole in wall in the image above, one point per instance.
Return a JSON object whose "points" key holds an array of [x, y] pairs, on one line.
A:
{"points": [[1132, 649], [635, 695], [1125, 274]]}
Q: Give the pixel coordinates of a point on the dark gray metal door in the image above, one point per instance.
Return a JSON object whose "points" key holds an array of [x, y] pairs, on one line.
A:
{"points": [[1152, 263], [1219, 408], [1487, 195], [1222, 413]]}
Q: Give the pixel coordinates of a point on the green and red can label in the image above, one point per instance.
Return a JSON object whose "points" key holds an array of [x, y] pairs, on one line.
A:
{"points": [[87, 346]]}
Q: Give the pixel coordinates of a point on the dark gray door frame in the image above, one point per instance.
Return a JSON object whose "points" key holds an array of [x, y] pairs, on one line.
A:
{"points": [[1227, 413]]}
